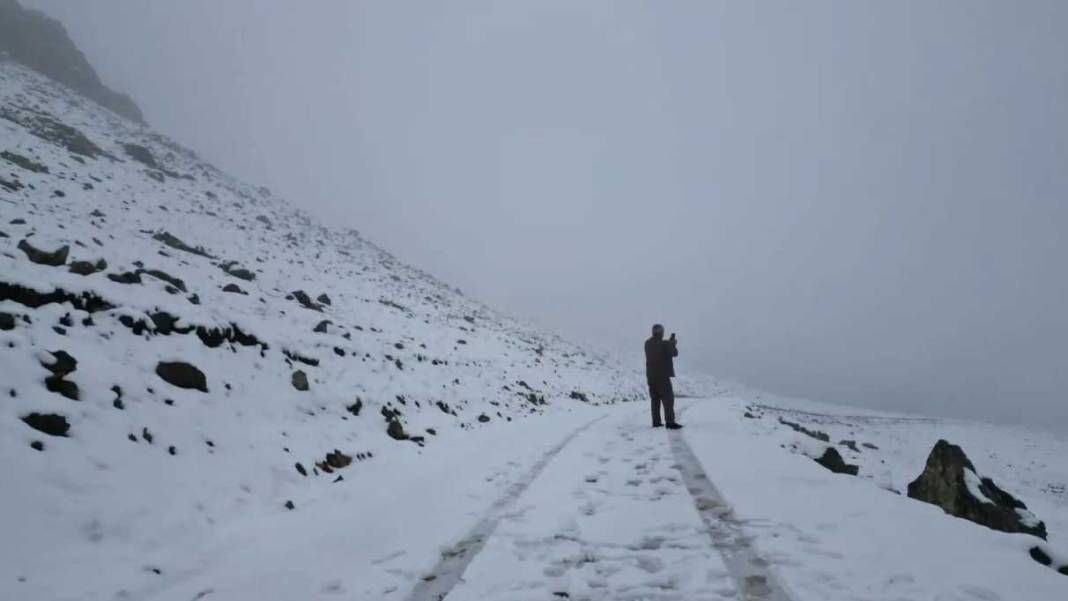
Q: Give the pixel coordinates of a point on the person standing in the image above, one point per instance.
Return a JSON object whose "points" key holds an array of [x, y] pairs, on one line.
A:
{"points": [[659, 369]]}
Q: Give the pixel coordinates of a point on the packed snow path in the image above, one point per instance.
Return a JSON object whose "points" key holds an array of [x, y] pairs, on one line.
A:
{"points": [[616, 511]]}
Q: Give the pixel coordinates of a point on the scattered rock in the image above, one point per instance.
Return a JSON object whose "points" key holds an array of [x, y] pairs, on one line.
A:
{"points": [[306, 301], [396, 430], [300, 380], [334, 461], [126, 277], [234, 270], [37, 445], [233, 288], [182, 375], [579, 396], [849, 444], [50, 423], [950, 481], [63, 365], [7, 321], [55, 258], [301, 470], [321, 327], [289, 505], [141, 155], [24, 162], [833, 461], [176, 243], [355, 407], [323, 298], [821, 436], [483, 418], [63, 387], [88, 267]]}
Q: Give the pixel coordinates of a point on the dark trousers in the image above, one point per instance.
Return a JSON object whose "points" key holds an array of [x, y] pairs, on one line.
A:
{"points": [[660, 393]]}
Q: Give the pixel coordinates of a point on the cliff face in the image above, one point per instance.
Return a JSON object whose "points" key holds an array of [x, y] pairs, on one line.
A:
{"points": [[42, 44]]}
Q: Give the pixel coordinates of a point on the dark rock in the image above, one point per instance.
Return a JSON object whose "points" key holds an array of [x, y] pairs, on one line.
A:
{"points": [[64, 364], [1040, 556], [166, 277], [336, 460], [868, 445], [833, 461], [945, 482], [37, 445], [323, 298], [177, 244], [7, 321], [141, 155], [301, 470], [849, 444], [579, 396], [60, 386], [234, 270], [24, 162], [483, 418], [50, 423], [300, 380], [321, 327], [305, 300], [147, 435], [821, 436], [55, 258], [289, 505], [88, 267], [395, 430], [127, 277], [355, 407], [182, 375], [748, 415], [233, 288], [1063, 570]]}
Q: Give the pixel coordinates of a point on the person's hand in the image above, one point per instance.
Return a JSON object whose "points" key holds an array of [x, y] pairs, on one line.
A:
{"points": [[673, 335]]}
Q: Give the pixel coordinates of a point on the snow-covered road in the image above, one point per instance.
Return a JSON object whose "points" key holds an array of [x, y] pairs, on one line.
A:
{"points": [[588, 503]]}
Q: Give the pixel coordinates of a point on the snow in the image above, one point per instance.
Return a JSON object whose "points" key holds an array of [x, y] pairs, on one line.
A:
{"points": [[552, 498]]}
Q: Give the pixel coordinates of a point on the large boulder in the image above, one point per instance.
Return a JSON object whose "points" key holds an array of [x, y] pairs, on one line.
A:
{"points": [[950, 481], [182, 375]]}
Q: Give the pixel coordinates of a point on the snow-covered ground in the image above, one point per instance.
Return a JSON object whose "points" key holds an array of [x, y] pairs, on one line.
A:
{"points": [[515, 470]]}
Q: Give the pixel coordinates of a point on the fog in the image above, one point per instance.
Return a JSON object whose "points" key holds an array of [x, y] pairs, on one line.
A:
{"points": [[863, 203]]}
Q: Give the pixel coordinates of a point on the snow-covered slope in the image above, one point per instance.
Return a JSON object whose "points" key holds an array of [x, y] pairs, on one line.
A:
{"points": [[191, 266]]}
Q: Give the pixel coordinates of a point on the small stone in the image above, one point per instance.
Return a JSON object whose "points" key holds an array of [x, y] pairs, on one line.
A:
{"points": [[37, 445], [300, 380], [483, 418], [289, 505]]}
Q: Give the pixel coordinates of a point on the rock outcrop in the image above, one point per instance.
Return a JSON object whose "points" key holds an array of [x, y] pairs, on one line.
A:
{"points": [[950, 481], [42, 44]]}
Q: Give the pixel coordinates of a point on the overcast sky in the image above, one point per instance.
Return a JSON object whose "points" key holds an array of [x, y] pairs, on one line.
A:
{"points": [[858, 202]]}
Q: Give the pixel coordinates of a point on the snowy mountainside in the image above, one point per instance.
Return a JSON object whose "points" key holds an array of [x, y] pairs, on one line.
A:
{"points": [[199, 338]]}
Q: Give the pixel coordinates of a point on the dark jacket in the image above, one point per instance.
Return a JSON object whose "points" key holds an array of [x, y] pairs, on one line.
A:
{"points": [[659, 359]]}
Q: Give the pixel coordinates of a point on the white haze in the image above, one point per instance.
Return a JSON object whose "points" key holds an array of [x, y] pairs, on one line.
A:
{"points": [[864, 203]]}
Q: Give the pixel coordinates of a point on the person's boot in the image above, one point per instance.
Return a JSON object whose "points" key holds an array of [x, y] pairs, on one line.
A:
{"points": [[658, 425], [675, 426]]}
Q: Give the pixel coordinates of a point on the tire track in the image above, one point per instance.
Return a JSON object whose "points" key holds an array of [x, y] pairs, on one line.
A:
{"points": [[751, 572], [454, 561]]}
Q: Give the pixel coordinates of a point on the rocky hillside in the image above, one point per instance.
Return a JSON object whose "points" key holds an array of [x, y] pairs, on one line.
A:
{"points": [[170, 336], [42, 44]]}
